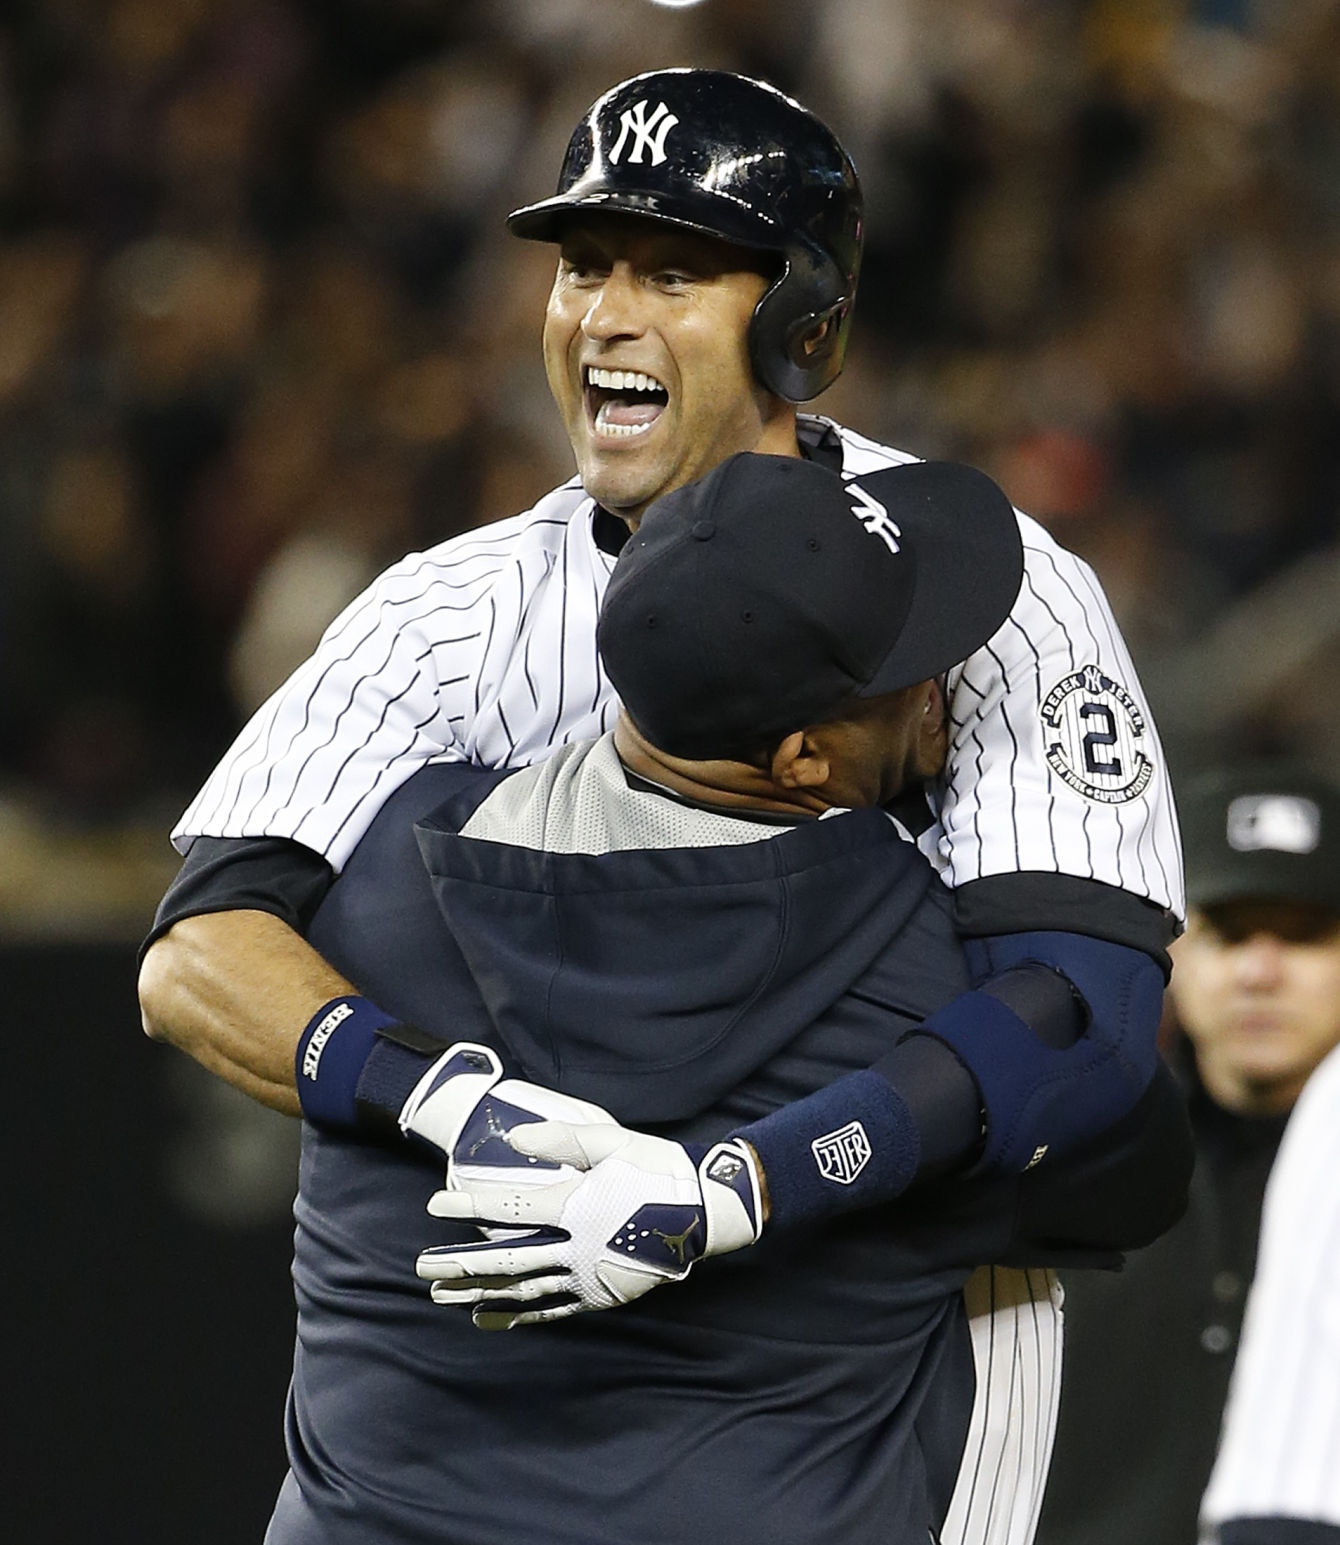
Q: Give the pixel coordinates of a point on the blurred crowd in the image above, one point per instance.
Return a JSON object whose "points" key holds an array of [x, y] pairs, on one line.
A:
{"points": [[262, 329]]}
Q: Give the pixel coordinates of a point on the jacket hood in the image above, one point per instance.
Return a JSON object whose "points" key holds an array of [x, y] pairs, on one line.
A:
{"points": [[646, 954]]}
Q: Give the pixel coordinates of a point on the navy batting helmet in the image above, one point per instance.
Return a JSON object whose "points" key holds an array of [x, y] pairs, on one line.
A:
{"points": [[734, 158]]}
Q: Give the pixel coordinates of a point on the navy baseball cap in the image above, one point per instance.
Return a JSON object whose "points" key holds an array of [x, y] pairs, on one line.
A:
{"points": [[1269, 831], [763, 597]]}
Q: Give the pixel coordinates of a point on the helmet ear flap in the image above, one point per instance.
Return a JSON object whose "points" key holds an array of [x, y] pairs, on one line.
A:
{"points": [[796, 342]]}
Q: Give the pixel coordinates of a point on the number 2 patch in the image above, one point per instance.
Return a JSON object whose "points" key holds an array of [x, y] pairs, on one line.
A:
{"points": [[1094, 733]]}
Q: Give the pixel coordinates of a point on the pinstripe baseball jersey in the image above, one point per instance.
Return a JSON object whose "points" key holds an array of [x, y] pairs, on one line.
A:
{"points": [[1015, 1318], [1279, 1456], [483, 650]]}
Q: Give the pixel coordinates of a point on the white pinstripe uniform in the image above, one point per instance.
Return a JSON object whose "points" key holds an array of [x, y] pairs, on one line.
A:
{"points": [[1279, 1456], [483, 650]]}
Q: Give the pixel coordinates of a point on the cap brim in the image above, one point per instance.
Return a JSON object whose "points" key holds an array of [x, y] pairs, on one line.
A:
{"points": [[1264, 877], [549, 219], [970, 565]]}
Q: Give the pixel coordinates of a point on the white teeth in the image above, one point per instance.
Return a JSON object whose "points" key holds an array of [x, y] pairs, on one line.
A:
{"points": [[622, 380], [620, 431]]}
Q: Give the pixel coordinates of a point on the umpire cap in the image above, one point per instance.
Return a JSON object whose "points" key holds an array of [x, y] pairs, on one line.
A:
{"points": [[763, 597], [727, 156], [1269, 831]]}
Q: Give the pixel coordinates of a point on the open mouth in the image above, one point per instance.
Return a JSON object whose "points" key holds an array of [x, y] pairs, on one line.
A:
{"points": [[623, 403]]}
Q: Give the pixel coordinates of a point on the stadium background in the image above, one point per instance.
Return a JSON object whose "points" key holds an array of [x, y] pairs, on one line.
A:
{"points": [[261, 331]]}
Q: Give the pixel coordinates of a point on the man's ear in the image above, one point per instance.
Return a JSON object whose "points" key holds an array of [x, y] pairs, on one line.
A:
{"points": [[800, 762], [820, 338], [932, 744]]}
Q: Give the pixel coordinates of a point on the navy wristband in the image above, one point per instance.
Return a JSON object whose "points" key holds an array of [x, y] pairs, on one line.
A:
{"points": [[330, 1057], [850, 1145]]}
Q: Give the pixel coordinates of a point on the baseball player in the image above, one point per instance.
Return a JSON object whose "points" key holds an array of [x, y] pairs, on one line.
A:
{"points": [[1276, 1480], [709, 239], [715, 946]]}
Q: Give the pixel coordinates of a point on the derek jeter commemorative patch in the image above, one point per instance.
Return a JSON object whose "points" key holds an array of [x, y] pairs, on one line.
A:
{"points": [[1094, 733]]}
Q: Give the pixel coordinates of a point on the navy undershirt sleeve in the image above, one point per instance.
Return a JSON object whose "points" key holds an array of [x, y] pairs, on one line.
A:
{"points": [[235, 874], [1019, 1068]]}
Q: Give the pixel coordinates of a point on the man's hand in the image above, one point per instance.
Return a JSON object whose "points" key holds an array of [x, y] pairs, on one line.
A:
{"points": [[641, 1211], [463, 1106]]}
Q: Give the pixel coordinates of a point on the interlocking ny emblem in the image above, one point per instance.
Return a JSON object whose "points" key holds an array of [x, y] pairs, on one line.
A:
{"points": [[874, 517], [842, 1155], [648, 133]]}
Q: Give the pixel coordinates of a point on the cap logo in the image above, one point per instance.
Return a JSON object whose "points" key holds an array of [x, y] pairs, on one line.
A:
{"points": [[649, 133], [1287, 823], [875, 518]]}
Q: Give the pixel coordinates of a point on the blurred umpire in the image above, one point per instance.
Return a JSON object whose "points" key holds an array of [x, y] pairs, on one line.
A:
{"points": [[1256, 992]]}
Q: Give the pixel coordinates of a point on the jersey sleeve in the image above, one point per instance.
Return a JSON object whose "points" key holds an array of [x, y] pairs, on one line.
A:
{"points": [[1277, 1458], [1055, 766], [392, 686]]}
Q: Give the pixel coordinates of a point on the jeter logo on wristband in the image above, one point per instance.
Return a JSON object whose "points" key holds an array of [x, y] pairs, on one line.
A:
{"points": [[842, 1155]]}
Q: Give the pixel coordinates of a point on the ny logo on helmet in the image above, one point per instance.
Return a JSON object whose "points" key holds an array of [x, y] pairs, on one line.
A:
{"points": [[648, 133]]}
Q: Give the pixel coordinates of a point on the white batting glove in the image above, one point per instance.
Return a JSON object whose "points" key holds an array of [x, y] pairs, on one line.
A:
{"points": [[465, 1107], [639, 1214], [442, 1103]]}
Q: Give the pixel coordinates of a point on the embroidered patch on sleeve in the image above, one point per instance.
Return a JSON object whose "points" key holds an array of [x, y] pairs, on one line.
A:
{"points": [[1094, 737]]}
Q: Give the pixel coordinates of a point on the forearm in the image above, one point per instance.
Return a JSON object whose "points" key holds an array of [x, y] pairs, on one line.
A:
{"points": [[235, 989], [1024, 1066]]}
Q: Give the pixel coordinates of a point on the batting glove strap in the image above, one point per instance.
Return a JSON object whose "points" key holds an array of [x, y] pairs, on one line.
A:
{"points": [[449, 1095], [732, 1204], [846, 1146]]}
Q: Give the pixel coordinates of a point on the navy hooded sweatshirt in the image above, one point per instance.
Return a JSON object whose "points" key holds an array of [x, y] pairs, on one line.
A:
{"points": [[689, 971]]}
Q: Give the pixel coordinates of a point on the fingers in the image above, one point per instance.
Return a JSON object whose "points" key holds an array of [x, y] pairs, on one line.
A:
{"points": [[506, 1319], [461, 1263], [582, 1147], [487, 1320], [556, 1141], [453, 1204], [503, 1205], [550, 1104], [485, 1290]]}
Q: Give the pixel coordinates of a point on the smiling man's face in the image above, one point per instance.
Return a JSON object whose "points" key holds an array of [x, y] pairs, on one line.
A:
{"points": [[645, 348]]}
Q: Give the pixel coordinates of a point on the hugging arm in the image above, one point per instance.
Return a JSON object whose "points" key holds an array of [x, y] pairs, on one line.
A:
{"points": [[1081, 1100], [1044, 1051], [226, 974], [1054, 1043]]}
